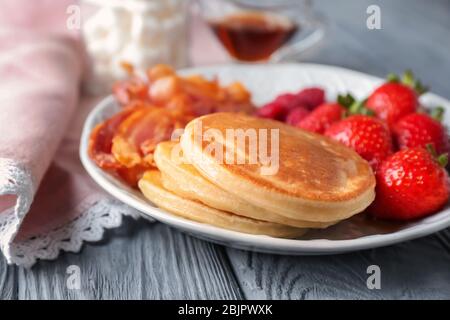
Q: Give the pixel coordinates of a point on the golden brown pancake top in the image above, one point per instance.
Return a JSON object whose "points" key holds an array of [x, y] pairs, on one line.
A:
{"points": [[310, 166]]}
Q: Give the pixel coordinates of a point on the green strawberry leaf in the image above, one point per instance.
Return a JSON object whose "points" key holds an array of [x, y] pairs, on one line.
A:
{"points": [[353, 106], [420, 88], [409, 80], [367, 112], [442, 159], [346, 100], [437, 113], [392, 77], [359, 107], [431, 150]]}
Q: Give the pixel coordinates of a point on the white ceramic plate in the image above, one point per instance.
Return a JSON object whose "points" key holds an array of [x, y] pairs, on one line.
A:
{"points": [[265, 82]]}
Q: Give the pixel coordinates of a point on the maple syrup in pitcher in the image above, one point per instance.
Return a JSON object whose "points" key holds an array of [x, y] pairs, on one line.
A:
{"points": [[253, 36]]}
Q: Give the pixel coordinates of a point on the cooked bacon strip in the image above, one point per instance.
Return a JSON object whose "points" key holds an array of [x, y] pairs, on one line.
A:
{"points": [[127, 91], [138, 135], [136, 139], [153, 109], [131, 176], [100, 141], [207, 96], [158, 71]]}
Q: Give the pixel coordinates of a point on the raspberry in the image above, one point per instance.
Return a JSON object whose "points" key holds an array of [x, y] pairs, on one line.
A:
{"points": [[296, 115], [311, 97]]}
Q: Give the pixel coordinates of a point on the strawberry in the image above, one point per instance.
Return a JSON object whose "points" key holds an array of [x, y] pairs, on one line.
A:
{"points": [[391, 101], [394, 99], [410, 184], [418, 130], [311, 97], [296, 115], [322, 117], [367, 135]]}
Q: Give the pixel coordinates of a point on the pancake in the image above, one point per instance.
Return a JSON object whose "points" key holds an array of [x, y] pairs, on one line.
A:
{"points": [[314, 179], [151, 187], [184, 180]]}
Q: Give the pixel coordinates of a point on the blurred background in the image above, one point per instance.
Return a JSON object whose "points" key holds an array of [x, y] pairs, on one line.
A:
{"points": [[409, 34]]}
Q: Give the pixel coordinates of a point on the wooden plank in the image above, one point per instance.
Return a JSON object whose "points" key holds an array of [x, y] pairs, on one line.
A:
{"points": [[137, 261], [414, 270], [8, 283]]}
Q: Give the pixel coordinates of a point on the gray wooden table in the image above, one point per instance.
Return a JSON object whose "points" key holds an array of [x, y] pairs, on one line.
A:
{"points": [[153, 261]]}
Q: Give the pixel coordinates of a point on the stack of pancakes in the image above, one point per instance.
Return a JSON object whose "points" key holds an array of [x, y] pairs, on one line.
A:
{"points": [[316, 182]]}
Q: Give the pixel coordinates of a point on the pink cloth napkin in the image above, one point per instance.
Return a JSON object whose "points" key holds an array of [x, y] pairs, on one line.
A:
{"points": [[47, 201], [40, 68]]}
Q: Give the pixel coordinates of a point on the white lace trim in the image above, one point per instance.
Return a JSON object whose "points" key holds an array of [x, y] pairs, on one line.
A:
{"points": [[88, 226], [16, 180], [96, 215]]}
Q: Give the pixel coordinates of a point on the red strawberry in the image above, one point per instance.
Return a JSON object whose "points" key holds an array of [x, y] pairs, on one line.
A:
{"points": [[418, 130], [296, 115], [322, 117], [410, 184], [311, 97], [391, 101], [368, 136]]}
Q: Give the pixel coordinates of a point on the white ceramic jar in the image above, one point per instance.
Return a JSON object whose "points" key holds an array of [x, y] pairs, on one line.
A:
{"points": [[140, 33]]}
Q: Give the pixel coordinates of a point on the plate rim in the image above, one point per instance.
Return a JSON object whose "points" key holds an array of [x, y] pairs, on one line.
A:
{"points": [[241, 240]]}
